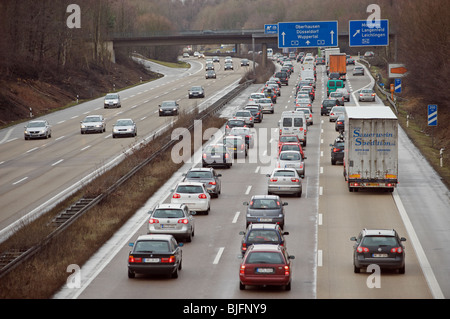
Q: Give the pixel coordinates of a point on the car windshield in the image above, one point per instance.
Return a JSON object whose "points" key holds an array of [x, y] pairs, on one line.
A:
{"points": [[199, 174], [239, 131], [189, 189], [111, 96], [92, 119], [284, 173], [196, 88], [290, 148], [339, 144], [291, 156], [262, 236], [304, 101], [265, 203], [265, 101], [168, 103], [379, 241], [288, 139], [264, 258], [36, 124], [124, 122], [329, 102], [151, 246]]}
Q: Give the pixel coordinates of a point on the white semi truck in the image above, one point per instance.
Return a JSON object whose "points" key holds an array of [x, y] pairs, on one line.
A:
{"points": [[371, 148]]}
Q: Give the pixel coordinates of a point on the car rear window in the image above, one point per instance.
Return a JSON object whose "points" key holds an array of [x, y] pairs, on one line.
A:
{"points": [[151, 246], [290, 148], [199, 174], [168, 213], [264, 258], [262, 236], [189, 189], [284, 173], [287, 121], [379, 241], [265, 203], [298, 122], [291, 156]]}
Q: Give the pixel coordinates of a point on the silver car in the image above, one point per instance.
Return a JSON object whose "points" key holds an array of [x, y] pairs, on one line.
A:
{"points": [[172, 219], [207, 176], [308, 114], [304, 103], [246, 116], [124, 127], [112, 100], [367, 95], [93, 123], [345, 93], [37, 129], [245, 133], [292, 159], [194, 195], [266, 105], [335, 112], [284, 181]]}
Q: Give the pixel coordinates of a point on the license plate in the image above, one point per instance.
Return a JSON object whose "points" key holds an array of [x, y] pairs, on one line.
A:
{"points": [[264, 270], [264, 219], [151, 260], [372, 184], [379, 255], [167, 226]]}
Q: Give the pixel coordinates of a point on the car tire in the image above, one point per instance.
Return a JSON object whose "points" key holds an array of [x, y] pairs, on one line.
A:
{"points": [[174, 274], [401, 270], [288, 286], [299, 194], [356, 270], [241, 286], [131, 274]]}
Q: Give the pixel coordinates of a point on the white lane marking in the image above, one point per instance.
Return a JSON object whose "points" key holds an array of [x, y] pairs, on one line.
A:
{"points": [[58, 162], [320, 219], [59, 138], [19, 181], [85, 148], [423, 260], [236, 216], [320, 190], [8, 134], [33, 149], [219, 254], [248, 190], [319, 258], [257, 169]]}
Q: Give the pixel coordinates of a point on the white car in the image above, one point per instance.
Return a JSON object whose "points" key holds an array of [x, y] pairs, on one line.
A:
{"points": [[266, 105], [124, 127], [112, 100], [37, 129], [192, 194], [93, 123], [292, 159]]}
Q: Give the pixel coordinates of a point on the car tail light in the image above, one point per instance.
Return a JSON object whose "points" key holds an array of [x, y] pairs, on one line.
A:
{"points": [[212, 183], [287, 270], [361, 249], [153, 221], [244, 246], [373, 94], [274, 179], [176, 196], [226, 155], [335, 149], [397, 250], [183, 221], [204, 155], [170, 260], [133, 259], [295, 180], [202, 196], [242, 269]]}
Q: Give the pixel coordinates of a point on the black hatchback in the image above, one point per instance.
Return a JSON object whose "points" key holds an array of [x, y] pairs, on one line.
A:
{"points": [[382, 247], [337, 151], [262, 234]]}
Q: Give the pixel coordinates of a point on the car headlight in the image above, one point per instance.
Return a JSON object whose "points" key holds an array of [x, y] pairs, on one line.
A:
{"points": [[83, 126]]}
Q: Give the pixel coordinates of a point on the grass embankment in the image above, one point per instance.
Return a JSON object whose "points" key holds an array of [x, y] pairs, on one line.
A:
{"points": [[414, 129], [44, 274]]}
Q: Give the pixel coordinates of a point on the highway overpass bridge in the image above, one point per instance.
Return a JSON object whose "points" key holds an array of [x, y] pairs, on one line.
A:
{"points": [[237, 37]]}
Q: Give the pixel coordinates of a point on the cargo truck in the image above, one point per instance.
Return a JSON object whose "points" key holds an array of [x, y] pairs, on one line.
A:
{"points": [[371, 148], [338, 64], [330, 51]]}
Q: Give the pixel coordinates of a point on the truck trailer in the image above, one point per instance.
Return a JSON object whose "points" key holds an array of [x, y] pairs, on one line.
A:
{"points": [[371, 148], [338, 64]]}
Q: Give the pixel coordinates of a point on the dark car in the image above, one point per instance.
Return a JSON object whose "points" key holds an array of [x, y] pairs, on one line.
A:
{"points": [[265, 209], [234, 123], [168, 108], [196, 91], [337, 151], [245, 62], [382, 247], [340, 122], [270, 94], [327, 105], [210, 74], [334, 76], [207, 176], [256, 111], [155, 255], [216, 155], [283, 76], [320, 61], [266, 265], [350, 61], [257, 234]]}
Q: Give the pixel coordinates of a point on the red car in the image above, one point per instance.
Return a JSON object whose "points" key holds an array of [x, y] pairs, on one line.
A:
{"points": [[291, 146], [287, 139], [266, 264]]}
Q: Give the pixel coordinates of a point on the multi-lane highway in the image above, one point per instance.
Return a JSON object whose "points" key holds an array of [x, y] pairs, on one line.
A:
{"points": [[320, 224], [36, 173]]}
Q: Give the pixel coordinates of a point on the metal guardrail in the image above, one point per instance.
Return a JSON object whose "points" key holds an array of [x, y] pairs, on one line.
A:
{"points": [[13, 258]]}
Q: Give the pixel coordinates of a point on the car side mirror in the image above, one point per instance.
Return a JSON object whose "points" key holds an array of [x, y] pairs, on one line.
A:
{"points": [[219, 175], [353, 238], [245, 203], [285, 204], [267, 175], [180, 245], [403, 239], [192, 212], [286, 233], [131, 244], [291, 257], [242, 233]]}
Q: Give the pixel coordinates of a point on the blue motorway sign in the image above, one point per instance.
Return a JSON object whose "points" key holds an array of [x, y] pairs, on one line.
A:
{"points": [[270, 28], [398, 85], [307, 34], [432, 115], [361, 34]]}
